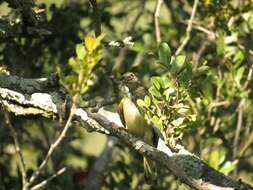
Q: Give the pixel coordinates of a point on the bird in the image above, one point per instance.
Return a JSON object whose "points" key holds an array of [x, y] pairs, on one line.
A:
{"points": [[132, 117]]}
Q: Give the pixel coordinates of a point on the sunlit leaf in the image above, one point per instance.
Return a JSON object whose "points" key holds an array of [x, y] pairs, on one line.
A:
{"points": [[239, 75], [156, 81], [139, 47], [165, 82], [147, 101], [168, 92], [177, 122], [214, 158], [207, 88], [154, 92], [141, 103], [80, 51], [75, 65], [91, 43], [228, 167]]}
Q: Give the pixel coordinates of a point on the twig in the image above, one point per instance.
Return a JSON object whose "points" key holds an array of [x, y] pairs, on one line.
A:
{"points": [[249, 77], [45, 182], [238, 130], [56, 143], [156, 18], [18, 151], [196, 56], [246, 145], [96, 17], [197, 26], [189, 28]]}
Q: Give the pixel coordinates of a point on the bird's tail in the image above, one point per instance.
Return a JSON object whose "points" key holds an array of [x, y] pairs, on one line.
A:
{"points": [[149, 170]]}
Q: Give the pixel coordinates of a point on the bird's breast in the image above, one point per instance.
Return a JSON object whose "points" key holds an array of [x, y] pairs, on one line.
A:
{"points": [[135, 122]]}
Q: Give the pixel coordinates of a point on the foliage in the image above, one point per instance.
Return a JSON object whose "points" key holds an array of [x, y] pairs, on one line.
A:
{"points": [[88, 54], [201, 97]]}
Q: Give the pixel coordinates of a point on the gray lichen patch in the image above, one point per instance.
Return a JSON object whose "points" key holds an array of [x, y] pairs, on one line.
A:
{"points": [[37, 104]]}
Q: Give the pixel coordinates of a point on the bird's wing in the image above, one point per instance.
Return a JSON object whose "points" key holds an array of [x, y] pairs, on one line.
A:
{"points": [[120, 111]]}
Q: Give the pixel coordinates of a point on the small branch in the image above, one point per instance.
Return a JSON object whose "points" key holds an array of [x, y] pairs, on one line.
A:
{"points": [[237, 132], [18, 151], [196, 56], [55, 144], [45, 182], [249, 77], [238, 128], [246, 145], [210, 34], [189, 28], [96, 17], [156, 18]]}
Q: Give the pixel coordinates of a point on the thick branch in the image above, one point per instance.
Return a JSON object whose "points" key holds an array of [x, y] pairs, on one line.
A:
{"points": [[186, 166]]}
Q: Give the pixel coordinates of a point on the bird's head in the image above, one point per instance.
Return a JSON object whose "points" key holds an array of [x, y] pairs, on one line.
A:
{"points": [[131, 86], [130, 80]]}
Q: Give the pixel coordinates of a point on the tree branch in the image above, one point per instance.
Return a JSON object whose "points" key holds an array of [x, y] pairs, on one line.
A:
{"points": [[188, 30], [96, 17], [18, 151], [186, 166], [45, 182], [156, 18]]}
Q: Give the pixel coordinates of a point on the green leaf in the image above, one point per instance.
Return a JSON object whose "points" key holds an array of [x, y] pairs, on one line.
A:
{"points": [[156, 81], [80, 51], [177, 64], [148, 39], [239, 57], [183, 110], [232, 38], [192, 117], [207, 89], [147, 101], [202, 70], [239, 75], [91, 43], [166, 83], [164, 54], [75, 65], [168, 92], [139, 47], [157, 122], [141, 103], [154, 92], [71, 79], [228, 167], [214, 158], [220, 43], [177, 122]]}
